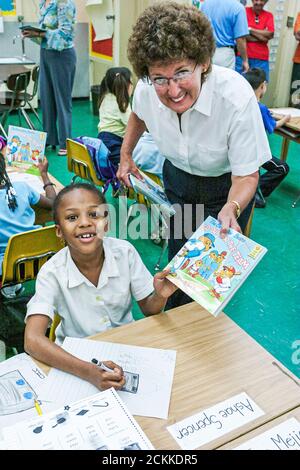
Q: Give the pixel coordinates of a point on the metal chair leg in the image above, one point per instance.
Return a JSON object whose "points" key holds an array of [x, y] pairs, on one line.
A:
{"points": [[27, 119], [3, 131], [35, 113], [164, 247], [296, 201]]}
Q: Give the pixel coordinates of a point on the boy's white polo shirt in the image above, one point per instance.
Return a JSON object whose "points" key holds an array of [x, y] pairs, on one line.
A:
{"points": [[84, 308]]}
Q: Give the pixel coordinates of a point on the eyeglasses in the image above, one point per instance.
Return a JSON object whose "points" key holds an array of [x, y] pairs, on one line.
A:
{"points": [[179, 78]]}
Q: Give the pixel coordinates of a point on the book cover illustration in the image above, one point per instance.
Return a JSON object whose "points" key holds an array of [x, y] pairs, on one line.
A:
{"points": [[152, 191], [25, 147], [210, 269]]}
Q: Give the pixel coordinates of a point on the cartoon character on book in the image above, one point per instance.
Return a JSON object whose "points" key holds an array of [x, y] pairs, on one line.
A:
{"points": [[222, 282], [13, 147], [24, 153], [193, 248], [35, 155]]}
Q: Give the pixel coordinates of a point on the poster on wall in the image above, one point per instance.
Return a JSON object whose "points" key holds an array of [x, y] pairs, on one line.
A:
{"points": [[100, 49], [8, 7]]}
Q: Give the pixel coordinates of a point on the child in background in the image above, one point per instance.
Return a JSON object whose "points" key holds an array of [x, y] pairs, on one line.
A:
{"points": [[114, 109], [90, 283], [276, 169], [16, 213]]}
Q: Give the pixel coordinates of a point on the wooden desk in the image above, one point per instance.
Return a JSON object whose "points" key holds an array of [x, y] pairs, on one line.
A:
{"points": [[286, 139], [261, 429], [215, 360]]}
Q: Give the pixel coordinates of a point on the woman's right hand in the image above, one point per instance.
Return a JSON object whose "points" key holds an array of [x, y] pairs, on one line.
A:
{"points": [[103, 379], [127, 167]]}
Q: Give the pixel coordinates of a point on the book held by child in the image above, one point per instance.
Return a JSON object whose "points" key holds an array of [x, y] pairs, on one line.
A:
{"points": [[210, 269], [25, 147], [153, 192]]}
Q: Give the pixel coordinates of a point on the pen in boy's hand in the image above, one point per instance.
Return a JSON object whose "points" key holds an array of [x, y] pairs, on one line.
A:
{"points": [[102, 365]]}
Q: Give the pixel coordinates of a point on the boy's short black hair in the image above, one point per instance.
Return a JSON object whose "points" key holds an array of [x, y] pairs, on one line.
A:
{"points": [[68, 189], [255, 77]]}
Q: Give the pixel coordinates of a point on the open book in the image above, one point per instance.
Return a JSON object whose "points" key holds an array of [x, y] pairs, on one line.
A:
{"points": [[99, 422], [210, 269], [153, 192], [25, 147], [28, 27]]}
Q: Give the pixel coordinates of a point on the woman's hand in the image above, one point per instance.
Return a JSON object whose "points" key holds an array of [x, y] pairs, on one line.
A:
{"points": [[103, 379], [127, 167], [163, 287], [26, 33], [227, 218]]}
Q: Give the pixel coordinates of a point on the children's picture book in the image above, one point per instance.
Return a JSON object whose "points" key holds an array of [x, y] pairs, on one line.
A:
{"points": [[25, 147], [153, 192], [210, 269]]}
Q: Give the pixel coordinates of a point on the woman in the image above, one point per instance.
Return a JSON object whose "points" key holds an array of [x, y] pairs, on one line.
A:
{"points": [[57, 68], [204, 120]]}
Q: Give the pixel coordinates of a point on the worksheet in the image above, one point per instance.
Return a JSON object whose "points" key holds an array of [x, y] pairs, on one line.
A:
{"points": [[20, 388], [100, 422], [154, 369]]}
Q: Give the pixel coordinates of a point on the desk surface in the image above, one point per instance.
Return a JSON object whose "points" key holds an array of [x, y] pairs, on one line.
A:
{"points": [[7, 70], [215, 360], [261, 429]]}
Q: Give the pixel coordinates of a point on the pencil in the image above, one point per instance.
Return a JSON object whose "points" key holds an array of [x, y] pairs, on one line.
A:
{"points": [[38, 408]]}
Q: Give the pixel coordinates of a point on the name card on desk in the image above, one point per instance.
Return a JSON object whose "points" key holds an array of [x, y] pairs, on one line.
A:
{"points": [[213, 422], [285, 436]]}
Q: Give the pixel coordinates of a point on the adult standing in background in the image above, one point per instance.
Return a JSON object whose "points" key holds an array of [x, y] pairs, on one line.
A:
{"points": [[261, 30], [229, 22], [295, 81], [57, 68], [204, 120]]}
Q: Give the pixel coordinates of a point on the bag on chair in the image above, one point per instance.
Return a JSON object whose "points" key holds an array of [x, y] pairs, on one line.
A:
{"points": [[105, 169], [12, 314]]}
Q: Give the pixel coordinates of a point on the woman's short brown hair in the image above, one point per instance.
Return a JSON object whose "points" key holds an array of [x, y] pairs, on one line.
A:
{"points": [[168, 32]]}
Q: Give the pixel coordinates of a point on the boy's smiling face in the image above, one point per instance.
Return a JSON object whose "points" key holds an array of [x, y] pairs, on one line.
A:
{"points": [[82, 222]]}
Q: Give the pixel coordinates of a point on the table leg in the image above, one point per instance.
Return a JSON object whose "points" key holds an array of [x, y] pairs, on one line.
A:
{"points": [[284, 148]]}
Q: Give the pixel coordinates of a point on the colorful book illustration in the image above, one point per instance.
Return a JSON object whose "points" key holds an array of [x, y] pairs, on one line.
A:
{"points": [[210, 269], [25, 147], [153, 192]]}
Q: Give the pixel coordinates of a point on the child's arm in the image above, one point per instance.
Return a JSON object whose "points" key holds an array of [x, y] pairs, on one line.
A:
{"points": [[156, 301], [46, 202], [282, 120], [41, 348]]}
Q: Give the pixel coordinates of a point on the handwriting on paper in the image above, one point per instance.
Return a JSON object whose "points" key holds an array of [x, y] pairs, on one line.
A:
{"points": [[215, 421]]}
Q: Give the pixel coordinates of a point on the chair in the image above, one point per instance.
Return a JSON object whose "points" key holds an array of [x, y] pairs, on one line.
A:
{"points": [[54, 325], [28, 97], [13, 100], [80, 163], [26, 253], [248, 227]]}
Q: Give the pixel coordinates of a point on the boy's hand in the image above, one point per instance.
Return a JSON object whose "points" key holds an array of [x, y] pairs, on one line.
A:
{"points": [[287, 118], [43, 166], [103, 379], [163, 287]]}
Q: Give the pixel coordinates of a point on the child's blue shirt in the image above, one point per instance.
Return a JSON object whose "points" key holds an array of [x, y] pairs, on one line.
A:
{"points": [[21, 219], [269, 121]]}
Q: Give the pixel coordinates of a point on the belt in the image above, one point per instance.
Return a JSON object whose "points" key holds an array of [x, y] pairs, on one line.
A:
{"points": [[231, 47]]}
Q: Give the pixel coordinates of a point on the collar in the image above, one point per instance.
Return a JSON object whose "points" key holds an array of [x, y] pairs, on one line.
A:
{"points": [[204, 102], [109, 269]]}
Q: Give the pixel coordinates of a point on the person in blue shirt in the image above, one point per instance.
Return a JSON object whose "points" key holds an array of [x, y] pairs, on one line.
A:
{"points": [[57, 68], [276, 169], [229, 22], [16, 213]]}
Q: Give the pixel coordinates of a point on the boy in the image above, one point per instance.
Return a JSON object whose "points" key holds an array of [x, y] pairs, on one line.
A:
{"points": [[276, 170]]}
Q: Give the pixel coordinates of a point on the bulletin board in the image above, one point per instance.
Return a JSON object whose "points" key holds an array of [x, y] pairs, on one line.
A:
{"points": [[101, 49], [8, 7]]}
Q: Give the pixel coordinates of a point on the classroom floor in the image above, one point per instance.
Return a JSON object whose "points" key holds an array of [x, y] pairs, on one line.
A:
{"points": [[267, 306]]}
